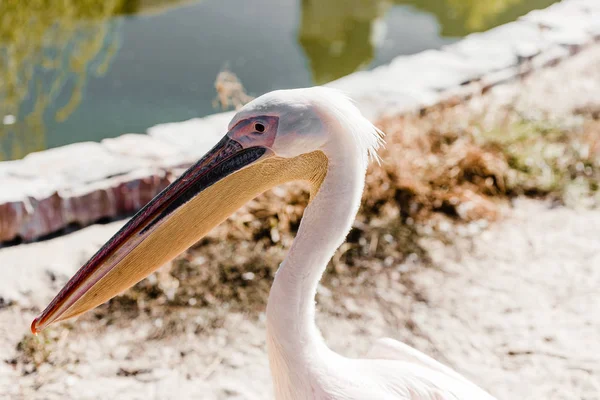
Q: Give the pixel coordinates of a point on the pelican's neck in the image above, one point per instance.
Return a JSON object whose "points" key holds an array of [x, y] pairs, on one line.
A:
{"points": [[324, 226]]}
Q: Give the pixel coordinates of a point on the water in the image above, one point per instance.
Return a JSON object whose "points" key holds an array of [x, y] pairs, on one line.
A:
{"points": [[95, 69]]}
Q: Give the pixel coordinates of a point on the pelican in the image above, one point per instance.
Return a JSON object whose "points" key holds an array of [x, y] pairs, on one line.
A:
{"points": [[316, 135]]}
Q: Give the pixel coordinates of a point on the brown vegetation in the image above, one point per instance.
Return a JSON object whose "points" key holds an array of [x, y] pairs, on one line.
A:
{"points": [[230, 91], [444, 169]]}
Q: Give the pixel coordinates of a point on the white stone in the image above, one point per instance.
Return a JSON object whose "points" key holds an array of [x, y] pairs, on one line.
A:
{"points": [[9, 119], [143, 147], [193, 137], [75, 164]]}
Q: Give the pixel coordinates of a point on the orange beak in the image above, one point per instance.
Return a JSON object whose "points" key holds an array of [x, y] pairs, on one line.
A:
{"points": [[206, 194]]}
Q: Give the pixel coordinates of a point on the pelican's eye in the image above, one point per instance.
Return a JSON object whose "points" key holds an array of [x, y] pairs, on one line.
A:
{"points": [[258, 127]]}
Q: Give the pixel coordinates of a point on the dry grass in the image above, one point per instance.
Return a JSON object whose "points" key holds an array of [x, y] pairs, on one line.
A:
{"points": [[433, 165], [33, 351], [445, 169], [445, 172], [464, 164], [230, 91]]}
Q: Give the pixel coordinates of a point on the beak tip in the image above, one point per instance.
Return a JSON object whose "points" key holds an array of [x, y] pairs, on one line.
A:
{"points": [[35, 326]]}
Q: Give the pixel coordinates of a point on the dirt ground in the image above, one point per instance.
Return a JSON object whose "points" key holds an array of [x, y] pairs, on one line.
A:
{"points": [[515, 310], [513, 305]]}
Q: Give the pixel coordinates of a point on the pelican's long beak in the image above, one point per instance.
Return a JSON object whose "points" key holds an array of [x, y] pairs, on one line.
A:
{"points": [[204, 196]]}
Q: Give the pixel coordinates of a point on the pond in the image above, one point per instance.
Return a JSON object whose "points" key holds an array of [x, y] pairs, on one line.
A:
{"points": [[80, 70]]}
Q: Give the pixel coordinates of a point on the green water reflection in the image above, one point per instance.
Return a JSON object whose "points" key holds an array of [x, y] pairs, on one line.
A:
{"points": [[51, 50], [44, 45], [337, 35], [461, 17]]}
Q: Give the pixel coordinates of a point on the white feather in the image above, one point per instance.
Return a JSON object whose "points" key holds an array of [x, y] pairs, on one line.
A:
{"points": [[302, 366]]}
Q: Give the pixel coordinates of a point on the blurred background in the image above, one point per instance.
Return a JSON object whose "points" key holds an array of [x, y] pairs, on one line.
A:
{"points": [[478, 238], [80, 70]]}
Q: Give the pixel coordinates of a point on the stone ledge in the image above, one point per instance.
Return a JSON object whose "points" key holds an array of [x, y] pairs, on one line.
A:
{"points": [[33, 217], [86, 182]]}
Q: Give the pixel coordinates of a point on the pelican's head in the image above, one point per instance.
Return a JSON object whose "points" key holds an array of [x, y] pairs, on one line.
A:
{"points": [[281, 136], [295, 122]]}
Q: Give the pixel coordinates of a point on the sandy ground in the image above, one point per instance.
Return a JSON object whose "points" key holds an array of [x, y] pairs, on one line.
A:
{"points": [[514, 308]]}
